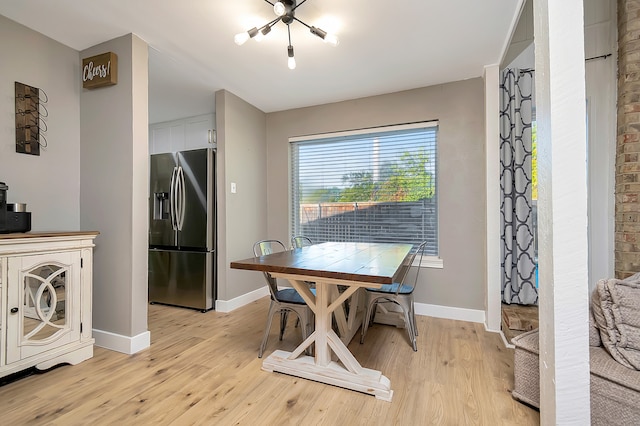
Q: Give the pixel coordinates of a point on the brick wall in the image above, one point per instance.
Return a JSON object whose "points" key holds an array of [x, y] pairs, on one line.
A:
{"points": [[627, 220]]}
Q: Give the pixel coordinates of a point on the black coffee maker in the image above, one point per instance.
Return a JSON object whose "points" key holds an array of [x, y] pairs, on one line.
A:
{"points": [[10, 219]]}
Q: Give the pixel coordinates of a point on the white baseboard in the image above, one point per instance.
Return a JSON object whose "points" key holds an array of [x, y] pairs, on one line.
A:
{"points": [[448, 312], [461, 314], [120, 343], [240, 301]]}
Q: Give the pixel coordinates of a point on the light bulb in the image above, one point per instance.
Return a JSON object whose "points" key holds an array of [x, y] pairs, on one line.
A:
{"points": [[291, 62], [332, 39], [241, 38], [279, 8]]}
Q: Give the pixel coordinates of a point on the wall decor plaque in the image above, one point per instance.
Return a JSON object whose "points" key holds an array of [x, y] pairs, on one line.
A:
{"points": [[100, 70], [27, 119]]}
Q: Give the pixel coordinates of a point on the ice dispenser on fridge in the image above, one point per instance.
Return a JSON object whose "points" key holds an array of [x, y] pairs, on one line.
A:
{"points": [[161, 206]]}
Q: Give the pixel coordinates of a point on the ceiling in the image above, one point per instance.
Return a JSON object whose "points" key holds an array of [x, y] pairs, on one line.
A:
{"points": [[384, 46]]}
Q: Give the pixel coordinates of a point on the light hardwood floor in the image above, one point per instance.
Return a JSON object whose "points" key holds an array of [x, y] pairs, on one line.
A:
{"points": [[203, 369]]}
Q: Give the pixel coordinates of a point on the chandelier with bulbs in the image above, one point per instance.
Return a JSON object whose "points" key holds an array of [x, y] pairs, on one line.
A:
{"points": [[285, 12]]}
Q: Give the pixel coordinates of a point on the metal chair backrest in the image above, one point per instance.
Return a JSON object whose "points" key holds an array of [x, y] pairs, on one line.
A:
{"points": [[408, 263], [263, 248], [300, 241]]}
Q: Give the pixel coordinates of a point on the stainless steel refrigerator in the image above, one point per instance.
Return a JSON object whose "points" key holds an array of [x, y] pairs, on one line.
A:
{"points": [[182, 229]]}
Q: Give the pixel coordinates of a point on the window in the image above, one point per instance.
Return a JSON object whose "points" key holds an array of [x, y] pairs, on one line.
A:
{"points": [[373, 185]]}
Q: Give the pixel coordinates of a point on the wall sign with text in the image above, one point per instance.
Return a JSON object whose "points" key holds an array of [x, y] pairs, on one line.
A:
{"points": [[100, 70]]}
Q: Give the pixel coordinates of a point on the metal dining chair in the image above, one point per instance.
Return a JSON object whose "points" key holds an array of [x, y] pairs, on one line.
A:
{"points": [[282, 301], [299, 241], [400, 293]]}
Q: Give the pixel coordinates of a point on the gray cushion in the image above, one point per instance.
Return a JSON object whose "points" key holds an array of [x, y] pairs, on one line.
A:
{"points": [[290, 295], [615, 305], [604, 366], [393, 288], [528, 341], [594, 333]]}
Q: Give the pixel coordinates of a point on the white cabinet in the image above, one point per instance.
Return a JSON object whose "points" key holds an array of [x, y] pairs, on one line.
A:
{"points": [[45, 299], [198, 132], [166, 138], [180, 135]]}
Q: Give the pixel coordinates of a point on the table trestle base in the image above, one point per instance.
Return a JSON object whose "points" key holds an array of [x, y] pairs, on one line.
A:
{"points": [[368, 381], [340, 271]]}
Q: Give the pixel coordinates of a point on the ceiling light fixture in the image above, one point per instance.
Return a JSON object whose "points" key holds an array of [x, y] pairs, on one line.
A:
{"points": [[286, 12]]}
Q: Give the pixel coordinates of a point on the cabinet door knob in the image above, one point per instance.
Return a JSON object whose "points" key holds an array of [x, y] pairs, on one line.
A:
{"points": [[14, 310]]}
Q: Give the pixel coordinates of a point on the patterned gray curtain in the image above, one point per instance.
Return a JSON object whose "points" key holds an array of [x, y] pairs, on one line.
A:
{"points": [[516, 209]]}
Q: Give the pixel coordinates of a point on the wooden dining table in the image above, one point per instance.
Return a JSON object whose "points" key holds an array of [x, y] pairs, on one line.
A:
{"points": [[352, 265]]}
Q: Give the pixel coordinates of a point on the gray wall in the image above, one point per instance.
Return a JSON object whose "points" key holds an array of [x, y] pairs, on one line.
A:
{"points": [[92, 176], [114, 191], [252, 151], [242, 217], [459, 107], [49, 183]]}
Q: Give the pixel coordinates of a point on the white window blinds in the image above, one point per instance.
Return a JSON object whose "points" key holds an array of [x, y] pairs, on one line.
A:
{"points": [[377, 185]]}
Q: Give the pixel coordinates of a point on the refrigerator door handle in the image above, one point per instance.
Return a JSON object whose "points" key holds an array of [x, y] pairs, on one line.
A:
{"points": [[182, 200], [172, 200]]}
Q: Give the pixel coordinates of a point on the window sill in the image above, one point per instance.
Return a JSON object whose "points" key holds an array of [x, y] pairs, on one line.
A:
{"points": [[430, 262]]}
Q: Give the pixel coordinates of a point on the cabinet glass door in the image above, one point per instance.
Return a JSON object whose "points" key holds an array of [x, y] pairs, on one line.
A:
{"points": [[42, 304], [45, 298]]}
